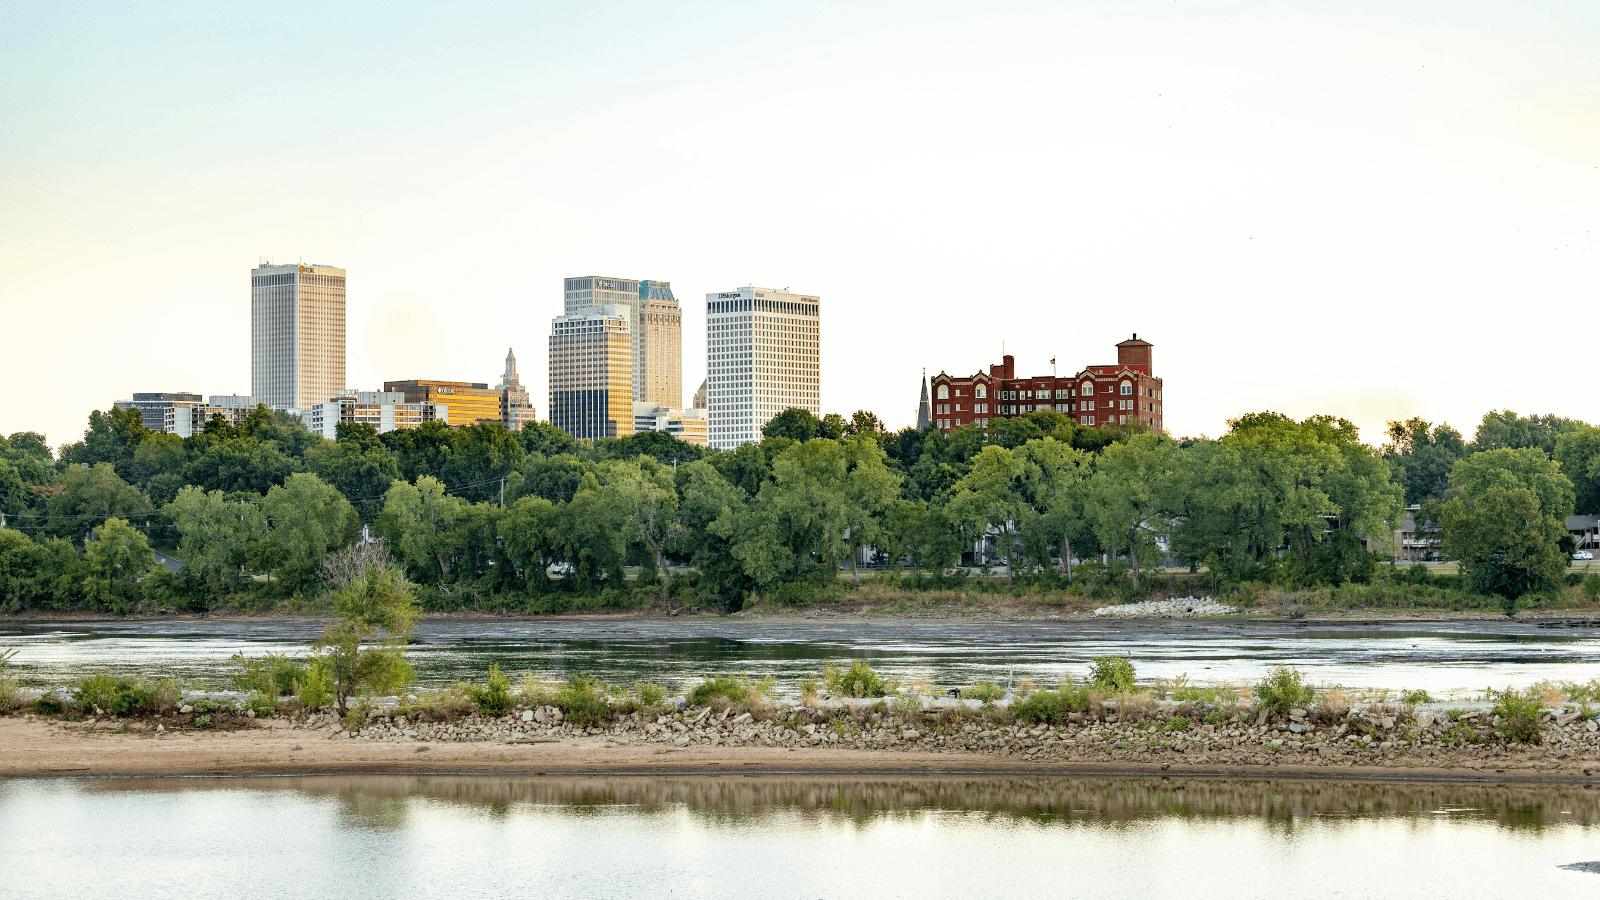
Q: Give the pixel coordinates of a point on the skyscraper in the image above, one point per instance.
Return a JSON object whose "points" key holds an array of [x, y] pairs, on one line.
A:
{"points": [[296, 334], [516, 408], [763, 355], [591, 354], [655, 323]]}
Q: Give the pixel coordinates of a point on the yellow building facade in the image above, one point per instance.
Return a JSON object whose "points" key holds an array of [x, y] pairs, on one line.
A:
{"points": [[591, 373], [470, 403]]}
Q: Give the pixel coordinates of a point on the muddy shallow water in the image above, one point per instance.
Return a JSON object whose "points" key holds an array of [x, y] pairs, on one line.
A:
{"points": [[1459, 659], [801, 836]]}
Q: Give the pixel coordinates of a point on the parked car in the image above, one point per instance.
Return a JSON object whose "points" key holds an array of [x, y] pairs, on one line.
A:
{"points": [[1582, 555]]}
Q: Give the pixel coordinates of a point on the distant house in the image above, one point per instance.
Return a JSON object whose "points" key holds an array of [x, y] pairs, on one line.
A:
{"points": [[175, 566], [1585, 531]]}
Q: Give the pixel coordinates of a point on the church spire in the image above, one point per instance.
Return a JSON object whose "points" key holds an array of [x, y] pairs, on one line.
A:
{"points": [[923, 419]]}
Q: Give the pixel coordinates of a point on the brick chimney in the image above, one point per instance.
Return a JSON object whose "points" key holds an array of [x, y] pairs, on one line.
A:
{"points": [[1135, 354]]}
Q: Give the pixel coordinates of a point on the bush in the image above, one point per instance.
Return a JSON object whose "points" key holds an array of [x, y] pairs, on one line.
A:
{"points": [[1414, 697], [315, 687], [8, 685], [1521, 716], [494, 697], [857, 681], [1111, 673], [584, 701], [49, 705], [265, 703], [650, 695], [273, 673], [987, 691], [126, 695], [1284, 689], [1052, 707], [1178, 723], [732, 688]]}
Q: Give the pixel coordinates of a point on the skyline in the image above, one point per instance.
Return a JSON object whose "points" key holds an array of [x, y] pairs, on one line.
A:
{"points": [[1307, 207]]}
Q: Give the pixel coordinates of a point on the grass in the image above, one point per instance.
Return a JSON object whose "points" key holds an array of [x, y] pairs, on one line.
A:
{"points": [[126, 695], [272, 673], [987, 691], [1521, 715], [736, 689], [1053, 707], [1283, 689]]}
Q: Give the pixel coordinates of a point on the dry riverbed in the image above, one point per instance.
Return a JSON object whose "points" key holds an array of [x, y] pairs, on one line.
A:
{"points": [[796, 740]]}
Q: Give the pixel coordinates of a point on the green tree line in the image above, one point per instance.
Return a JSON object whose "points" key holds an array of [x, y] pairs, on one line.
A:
{"points": [[483, 518]]}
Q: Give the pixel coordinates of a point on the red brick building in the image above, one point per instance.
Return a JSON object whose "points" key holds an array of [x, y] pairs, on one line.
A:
{"points": [[1117, 394]]}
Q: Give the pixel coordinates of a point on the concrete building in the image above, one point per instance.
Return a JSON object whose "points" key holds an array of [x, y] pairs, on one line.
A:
{"points": [[516, 408], [470, 403], [1127, 392], [763, 355], [591, 373], [655, 326], [153, 407], [297, 337], [687, 425], [383, 410], [700, 396]]}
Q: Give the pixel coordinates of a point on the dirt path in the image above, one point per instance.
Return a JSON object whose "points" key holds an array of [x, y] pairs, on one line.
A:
{"points": [[52, 749]]}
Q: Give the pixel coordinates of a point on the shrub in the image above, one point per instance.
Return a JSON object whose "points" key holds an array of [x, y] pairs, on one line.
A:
{"points": [[857, 681], [1414, 697], [1283, 689], [8, 685], [987, 691], [650, 695], [1178, 723], [1591, 586], [1109, 672], [49, 705], [1052, 707], [315, 687], [584, 701], [125, 695], [273, 673], [265, 703], [1521, 716], [494, 697], [732, 688]]}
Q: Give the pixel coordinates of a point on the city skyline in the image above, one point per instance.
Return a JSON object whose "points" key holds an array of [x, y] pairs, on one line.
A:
{"points": [[1343, 197]]}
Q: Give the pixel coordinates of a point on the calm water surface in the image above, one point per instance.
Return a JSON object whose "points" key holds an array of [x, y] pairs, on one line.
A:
{"points": [[781, 837], [1455, 658]]}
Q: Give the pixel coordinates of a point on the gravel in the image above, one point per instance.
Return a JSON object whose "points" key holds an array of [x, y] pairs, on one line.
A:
{"points": [[1178, 608]]}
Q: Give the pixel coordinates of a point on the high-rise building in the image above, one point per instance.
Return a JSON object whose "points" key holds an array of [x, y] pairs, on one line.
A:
{"points": [[655, 324], [700, 396], [470, 403], [763, 356], [591, 373], [296, 334], [516, 409]]}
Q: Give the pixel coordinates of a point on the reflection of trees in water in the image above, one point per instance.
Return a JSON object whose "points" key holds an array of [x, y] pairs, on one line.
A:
{"points": [[384, 801]]}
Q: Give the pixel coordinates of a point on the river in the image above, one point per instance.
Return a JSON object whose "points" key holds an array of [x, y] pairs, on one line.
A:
{"points": [[792, 837], [1454, 659]]}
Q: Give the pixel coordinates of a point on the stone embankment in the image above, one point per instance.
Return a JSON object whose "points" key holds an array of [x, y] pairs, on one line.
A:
{"points": [[1377, 736], [1176, 608]]}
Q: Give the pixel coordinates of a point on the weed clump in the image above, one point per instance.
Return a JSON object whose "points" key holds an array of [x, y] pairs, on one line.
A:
{"points": [[650, 694], [1052, 707], [1283, 689], [857, 681], [584, 701], [987, 691], [1178, 723], [8, 684], [1113, 674], [1520, 716], [735, 689], [273, 673], [493, 698], [126, 695]]}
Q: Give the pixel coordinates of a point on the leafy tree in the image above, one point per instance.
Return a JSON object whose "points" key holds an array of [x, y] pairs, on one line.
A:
{"points": [[647, 501], [544, 439], [1505, 430], [869, 490], [111, 437], [237, 464], [420, 451], [1055, 485], [529, 527], [88, 496], [307, 518], [364, 652], [21, 561], [1579, 454], [117, 558], [658, 445], [705, 499], [482, 455], [1504, 540], [416, 521], [555, 478], [15, 494], [1512, 469], [215, 537], [1423, 455], [748, 467], [1129, 491], [589, 535], [991, 495], [832, 427], [795, 424], [360, 468]]}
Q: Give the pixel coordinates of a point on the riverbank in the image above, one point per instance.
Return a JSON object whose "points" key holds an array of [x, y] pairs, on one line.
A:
{"points": [[32, 746]]}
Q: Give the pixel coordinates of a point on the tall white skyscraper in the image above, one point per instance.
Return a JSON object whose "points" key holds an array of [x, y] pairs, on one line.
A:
{"points": [[763, 356], [296, 334], [655, 323]]}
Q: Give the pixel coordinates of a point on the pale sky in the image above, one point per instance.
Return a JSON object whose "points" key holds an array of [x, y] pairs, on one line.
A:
{"points": [[1374, 210]]}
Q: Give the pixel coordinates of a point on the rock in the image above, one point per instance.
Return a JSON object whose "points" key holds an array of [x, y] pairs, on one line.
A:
{"points": [[1592, 726], [250, 714], [1296, 727], [1566, 719], [1424, 721], [1165, 609], [527, 715], [160, 728], [1467, 716], [910, 734], [1297, 714], [186, 709], [743, 719]]}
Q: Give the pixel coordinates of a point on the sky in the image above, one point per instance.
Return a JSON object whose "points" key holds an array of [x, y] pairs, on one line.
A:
{"points": [[1371, 210]]}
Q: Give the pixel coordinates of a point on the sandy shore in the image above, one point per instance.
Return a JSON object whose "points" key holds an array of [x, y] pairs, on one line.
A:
{"points": [[42, 748]]}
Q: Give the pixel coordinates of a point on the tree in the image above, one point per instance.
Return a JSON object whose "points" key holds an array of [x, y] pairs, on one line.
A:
{"points": [[1423, 455], [1504, 541], [647, 501], [1512, 469], [1579, 454], [415, 520], [118, 557], [793, 423], [88, 496], [21, 561], [237, 464], [1129, 490], [1055, 484], [365, 650], [483, 454], [991, 495], [544, 439], [110, 438], [358, 467], [869, 489], [529, 527], [307, 518], [215, 536], [713, 511], [1505, 430]]}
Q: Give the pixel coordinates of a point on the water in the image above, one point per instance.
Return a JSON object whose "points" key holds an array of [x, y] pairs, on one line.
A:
{"points": [[800, 837], [1448, 659]]}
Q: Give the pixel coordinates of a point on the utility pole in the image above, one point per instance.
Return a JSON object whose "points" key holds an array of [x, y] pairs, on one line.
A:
{"points": [[502, 492]]}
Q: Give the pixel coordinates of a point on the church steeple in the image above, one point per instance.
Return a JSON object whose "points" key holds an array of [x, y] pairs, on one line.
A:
{"points": [[511, 369], [923, 419]]}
